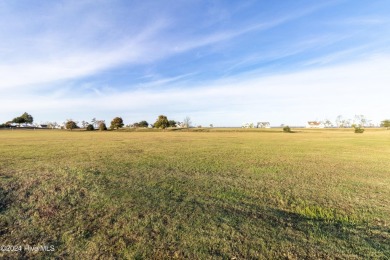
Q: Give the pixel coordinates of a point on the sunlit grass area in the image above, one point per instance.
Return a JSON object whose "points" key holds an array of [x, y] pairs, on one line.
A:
{"points": [[196, 194]]}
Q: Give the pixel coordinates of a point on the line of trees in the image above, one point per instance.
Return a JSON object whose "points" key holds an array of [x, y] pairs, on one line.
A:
{"points": [[358, 120], [25, 118], [386, 123], [96, 124], [342, 122], [162, 122]]}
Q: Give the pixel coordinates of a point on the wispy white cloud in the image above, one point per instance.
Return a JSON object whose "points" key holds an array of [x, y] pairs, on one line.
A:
{"points": [[287, 98], [244, 29], [159, 81], [336, 56], [361, 21], [53, 55], [62, 63]]}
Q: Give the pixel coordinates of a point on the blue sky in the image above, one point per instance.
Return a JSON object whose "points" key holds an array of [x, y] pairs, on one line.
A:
{"points": [[219, 62]]}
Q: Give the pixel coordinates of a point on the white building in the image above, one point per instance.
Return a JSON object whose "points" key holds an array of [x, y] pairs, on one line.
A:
{"points": [[263, 125]]}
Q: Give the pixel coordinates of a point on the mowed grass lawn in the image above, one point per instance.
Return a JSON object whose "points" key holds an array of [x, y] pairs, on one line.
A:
{"points": [[213, 194]]}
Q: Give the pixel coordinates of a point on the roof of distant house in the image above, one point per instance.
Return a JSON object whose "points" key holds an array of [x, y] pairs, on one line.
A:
{"points": [[313, 123]]}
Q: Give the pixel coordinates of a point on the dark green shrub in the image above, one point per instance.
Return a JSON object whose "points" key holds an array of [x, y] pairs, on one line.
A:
{"points": [[358, 130], [161, 122], [143, 124], [90, 127], [71, 125], [172, 123], [287, 129]]}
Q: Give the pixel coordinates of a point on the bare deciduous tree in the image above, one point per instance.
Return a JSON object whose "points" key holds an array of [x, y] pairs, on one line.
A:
{"points": [[187, 122]]}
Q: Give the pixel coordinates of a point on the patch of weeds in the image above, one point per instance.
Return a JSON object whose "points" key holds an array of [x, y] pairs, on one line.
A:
{"points": [[318, 212]]}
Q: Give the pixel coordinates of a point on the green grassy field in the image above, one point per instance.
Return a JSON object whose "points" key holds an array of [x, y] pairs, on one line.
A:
{"points": [[209, 194]]}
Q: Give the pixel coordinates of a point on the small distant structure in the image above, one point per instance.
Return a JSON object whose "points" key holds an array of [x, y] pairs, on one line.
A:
{"points": [[314, 124], [180, 125], [263, 125]]}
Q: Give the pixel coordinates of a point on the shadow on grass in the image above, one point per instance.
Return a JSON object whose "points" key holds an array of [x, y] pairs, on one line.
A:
{"points": [[4, 200], [165, 219], [298, 236], [7, 186]]}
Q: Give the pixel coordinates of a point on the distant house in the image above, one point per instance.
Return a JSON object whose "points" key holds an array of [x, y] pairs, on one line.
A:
{"points": [[314, 124], [42, 126], [263, 125], [180, 125]]}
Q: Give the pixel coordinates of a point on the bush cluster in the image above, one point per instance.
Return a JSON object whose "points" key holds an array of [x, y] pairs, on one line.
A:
{"points": [[287, 129], [102, 127], [90, 128], [359, 130]]}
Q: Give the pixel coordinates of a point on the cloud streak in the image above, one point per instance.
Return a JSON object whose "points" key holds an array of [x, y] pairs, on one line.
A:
{"points": [[54, 55], [311, 94], [61, 65]]}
